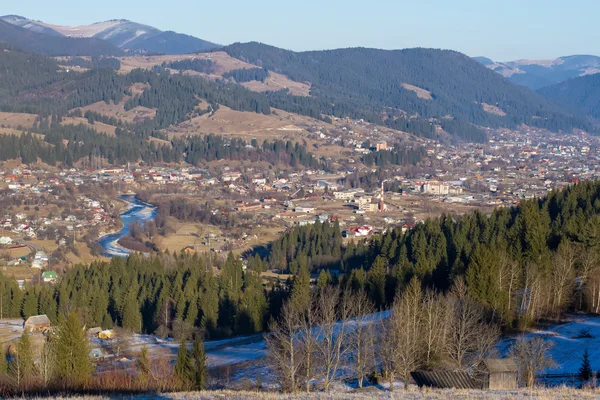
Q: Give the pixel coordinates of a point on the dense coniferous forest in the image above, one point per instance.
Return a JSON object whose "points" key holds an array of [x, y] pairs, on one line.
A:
{"points": [[247, 74], [176, 96], [578, 94], [396, 156], [277, 152], [69, 144], [458, 84], [519, 263]]}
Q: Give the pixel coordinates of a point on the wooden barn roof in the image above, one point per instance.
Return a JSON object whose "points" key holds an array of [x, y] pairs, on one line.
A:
{"points": [[446, 380], [37, 320], [500, 365]]}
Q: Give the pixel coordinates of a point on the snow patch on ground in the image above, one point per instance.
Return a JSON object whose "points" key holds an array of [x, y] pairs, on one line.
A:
{"points": [[569, 343]]}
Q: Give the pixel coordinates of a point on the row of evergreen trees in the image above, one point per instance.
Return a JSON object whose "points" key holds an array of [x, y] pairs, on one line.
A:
{"points": [[520, 262], [396, 156], [164, 293], [68, 144]]}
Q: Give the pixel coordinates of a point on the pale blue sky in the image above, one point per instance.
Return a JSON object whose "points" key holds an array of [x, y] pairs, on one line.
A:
{"points": [[502, 30]]}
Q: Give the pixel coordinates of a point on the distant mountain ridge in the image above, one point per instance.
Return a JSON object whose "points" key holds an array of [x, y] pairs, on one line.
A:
{"points": [[52, 45], [461, 94], [536, 74], [125, 34], [581, 94]]}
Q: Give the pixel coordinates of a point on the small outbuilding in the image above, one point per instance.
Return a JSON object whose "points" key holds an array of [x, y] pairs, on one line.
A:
{"points": [[500, 374], [107, 334], [37, 324], [496, 374]]}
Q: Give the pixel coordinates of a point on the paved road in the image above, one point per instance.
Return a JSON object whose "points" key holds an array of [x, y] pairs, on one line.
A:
{"points": [[32, 246]]}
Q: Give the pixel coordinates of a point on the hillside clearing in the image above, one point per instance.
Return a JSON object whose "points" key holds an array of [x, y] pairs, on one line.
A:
{"points": [[421, 93], [15, 120]]}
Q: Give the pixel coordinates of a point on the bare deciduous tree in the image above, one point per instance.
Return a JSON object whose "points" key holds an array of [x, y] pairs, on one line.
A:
{"points": [[284, 349], [563, 276], [532, 356], [333, 312], [361, 339], [470, 336], [406, 336]]}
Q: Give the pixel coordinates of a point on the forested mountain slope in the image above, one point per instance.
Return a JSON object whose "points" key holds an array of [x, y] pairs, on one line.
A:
{"points": [[52, 45], [373, 80], [581, 94]]}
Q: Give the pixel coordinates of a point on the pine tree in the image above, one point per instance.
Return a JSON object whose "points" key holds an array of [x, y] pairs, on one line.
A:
{"points": [[585, 371], [22, 366], [199, 364], [131, 316], [376, 281], [324, 279], [73, 365], [182, 365], [143, 363], [300, 296]]}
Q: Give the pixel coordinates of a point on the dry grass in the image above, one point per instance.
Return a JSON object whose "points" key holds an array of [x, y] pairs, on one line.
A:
{"points": [[421, 93], [48, 245], [19, 252], [10, 131], [493, 109], [14, 120], [411, 394], [245, 124], [98, 126], [277, 81], [21, 272], [224, 62], [117, 111]]}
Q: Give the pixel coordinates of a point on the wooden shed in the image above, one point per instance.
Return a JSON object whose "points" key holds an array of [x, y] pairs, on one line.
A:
{"points": [[37, 323], [496, 374], [499, 374]]}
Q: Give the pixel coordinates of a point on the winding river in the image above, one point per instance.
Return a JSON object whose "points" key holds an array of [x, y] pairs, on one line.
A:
{"points": [[137, 211]]}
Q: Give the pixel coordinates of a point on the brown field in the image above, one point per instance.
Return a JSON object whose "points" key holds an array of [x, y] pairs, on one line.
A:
{"points": [[98, 126], [246, 124], [187, 234], [85, 257], [48, 245], [493, 109], [224, 63], [14, 120], [277, 81], [19, 252], [21, 272], [117, 111], [421, 93], [230, 122], [10, 131]]}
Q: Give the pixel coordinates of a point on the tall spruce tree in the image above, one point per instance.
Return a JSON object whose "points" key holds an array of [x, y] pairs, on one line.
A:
{"points": [[73, 365], [22, 366], [199, 364], [585, 371], [183, 365]]}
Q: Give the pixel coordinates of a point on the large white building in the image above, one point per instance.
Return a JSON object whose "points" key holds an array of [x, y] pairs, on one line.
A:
{"points": [[435, 187]]}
